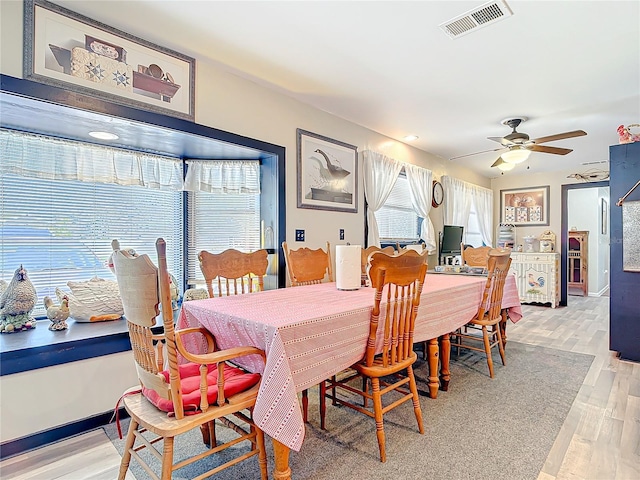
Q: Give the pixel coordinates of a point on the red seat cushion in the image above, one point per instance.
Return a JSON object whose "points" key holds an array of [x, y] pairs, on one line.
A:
{"points": [[235, 381]]}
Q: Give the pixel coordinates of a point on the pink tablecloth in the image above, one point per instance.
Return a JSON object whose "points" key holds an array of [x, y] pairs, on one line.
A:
{"points": [[310, 333]]}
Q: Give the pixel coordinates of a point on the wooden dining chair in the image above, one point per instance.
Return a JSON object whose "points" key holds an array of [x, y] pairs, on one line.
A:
{"points": [[181, 397], [232, 272], [306, 266], [489, 312], [398, 282], [475, 256], [365, 252]]}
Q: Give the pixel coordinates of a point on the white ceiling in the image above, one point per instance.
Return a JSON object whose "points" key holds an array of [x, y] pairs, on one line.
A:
{"points": [[386, 65]]}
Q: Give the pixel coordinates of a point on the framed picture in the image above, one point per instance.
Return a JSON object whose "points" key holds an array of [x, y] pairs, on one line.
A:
{"points": [[327, 173], [604, 215], [68, 50], [525, 206]]}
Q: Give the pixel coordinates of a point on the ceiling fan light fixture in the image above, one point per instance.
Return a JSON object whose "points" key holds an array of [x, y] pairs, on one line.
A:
{"points": [[505, 167], [516, 155]]}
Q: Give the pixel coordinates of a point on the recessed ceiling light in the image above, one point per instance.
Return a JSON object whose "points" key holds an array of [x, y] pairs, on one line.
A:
{"points": [[104, 135], [410, 138]]}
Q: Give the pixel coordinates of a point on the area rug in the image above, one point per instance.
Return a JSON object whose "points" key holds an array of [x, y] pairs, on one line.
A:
{"points": [[500, 428]]}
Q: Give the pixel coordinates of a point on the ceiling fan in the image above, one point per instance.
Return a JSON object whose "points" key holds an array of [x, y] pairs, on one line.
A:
{"points": [[519, 146]]}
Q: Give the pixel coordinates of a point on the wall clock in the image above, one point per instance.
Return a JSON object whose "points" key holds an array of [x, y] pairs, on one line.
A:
{"points": [[438, 194]]}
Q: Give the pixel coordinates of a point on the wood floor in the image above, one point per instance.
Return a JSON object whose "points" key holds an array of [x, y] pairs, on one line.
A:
{"points": [[599, 440]]}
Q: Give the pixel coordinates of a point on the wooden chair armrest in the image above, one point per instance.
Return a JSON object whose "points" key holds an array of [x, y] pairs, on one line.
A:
{"points": [[222, 355], [209, 338]]}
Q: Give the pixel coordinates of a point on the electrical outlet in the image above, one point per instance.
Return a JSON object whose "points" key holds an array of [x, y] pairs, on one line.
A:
{"points": [[299, 235], [342, 234]]}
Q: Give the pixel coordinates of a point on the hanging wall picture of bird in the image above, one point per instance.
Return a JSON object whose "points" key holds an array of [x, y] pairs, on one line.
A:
{"points": [[17, 302], [327, 173]]}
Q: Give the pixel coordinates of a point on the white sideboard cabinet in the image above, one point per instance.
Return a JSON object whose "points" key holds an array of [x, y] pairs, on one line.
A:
{"points": [[537, 277]]}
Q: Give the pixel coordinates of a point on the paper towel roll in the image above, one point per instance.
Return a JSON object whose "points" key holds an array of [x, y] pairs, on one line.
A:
{"points": [[348, 267]]}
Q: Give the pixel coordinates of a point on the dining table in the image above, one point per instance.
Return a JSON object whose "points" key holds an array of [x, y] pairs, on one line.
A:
{"points": [[312, 332]]}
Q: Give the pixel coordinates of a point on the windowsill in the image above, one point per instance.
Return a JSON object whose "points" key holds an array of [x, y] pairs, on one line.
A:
{"points": [[41, 347]]}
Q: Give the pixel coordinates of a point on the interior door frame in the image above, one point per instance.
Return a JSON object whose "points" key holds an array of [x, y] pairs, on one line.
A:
{"points": [[564, 233]]}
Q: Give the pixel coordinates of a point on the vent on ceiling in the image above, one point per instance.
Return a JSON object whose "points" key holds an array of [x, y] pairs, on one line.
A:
{"points": [[479, 17], [595, 163]]}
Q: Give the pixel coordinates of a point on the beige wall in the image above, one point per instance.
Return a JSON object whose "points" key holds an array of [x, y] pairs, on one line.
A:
{"points": [[555, 180], [227, 102]]}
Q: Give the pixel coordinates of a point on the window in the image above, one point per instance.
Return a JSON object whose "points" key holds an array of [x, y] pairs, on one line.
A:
{"points": [[472, 235], [397, 221], [218, 221], [62, 230]]}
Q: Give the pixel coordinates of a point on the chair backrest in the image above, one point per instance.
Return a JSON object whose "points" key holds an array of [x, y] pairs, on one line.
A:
{"points": [[143, 287], [400, 278], [498, 265], [306, 266], [475, 256], [365, 252], [233, 272]]}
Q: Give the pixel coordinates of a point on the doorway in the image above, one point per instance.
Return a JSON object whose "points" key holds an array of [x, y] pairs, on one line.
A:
{"points": [[585, 208]]}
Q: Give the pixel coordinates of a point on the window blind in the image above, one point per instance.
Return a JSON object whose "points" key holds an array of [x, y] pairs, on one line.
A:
{"points": [[61, 230], [218, 221], [397, 221]]}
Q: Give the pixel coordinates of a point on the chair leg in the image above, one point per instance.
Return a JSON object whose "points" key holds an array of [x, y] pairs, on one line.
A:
{"points": [[377, 408], [323, 405], [262, 454], [500, 345], [208, 431], [167, 458], [416, 400], [128, 445], [305, 406], [487, 349], [365, 401]]}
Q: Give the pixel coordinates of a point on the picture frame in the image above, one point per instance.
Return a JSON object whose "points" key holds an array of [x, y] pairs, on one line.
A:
{"points": [[527, 206], [68, 50], [327, 173], [604, 215]]}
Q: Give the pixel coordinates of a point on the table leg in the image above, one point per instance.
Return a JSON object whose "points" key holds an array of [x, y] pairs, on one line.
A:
{"points": [[445, 353], [432, 348], [503, 326], [281, 456]]}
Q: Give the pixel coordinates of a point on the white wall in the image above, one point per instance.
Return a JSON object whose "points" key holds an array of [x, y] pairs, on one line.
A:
{"points": [[555, 180], [227, 102]]}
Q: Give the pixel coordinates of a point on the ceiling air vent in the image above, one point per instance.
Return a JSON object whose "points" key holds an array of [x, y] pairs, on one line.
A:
{"points": [[479, 17]]}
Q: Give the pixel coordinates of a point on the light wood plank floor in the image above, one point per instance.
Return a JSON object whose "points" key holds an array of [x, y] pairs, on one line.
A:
{"points": [[599, 440]]}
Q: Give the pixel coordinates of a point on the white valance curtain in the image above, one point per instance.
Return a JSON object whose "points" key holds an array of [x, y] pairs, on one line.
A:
{"points": [[57, 159], [458, 198], [380, 174], [223, 176]]}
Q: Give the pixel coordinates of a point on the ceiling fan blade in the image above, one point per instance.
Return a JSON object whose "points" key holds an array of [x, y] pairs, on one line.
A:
{"points": [[476, 153], [560, 136], [499, 161], [502, 140], [554, 150]]}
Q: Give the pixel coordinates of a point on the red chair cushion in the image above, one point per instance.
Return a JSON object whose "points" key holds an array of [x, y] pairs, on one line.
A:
{"points": [[235, 381]]}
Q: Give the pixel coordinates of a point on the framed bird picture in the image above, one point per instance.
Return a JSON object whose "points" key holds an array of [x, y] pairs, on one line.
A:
{"points": [[327, 173]]}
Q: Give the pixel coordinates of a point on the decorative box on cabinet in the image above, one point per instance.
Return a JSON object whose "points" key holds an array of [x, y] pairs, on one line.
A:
{"points": [[537, 277], [577, 256]]}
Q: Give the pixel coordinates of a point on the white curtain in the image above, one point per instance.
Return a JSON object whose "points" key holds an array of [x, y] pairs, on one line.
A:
{"points": [[380, 174], [483, 200], [223, 176], [420, 182], [458, 198], [86, 163]]}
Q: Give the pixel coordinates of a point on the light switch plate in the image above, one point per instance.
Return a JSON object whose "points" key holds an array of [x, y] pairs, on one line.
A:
{"points": [[299, 235]]}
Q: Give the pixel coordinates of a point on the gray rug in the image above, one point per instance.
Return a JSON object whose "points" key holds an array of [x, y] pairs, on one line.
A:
{"points": [[501, 428]]}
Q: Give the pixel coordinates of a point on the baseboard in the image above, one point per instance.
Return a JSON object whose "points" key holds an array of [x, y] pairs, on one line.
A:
{"points": [[40, 439]]}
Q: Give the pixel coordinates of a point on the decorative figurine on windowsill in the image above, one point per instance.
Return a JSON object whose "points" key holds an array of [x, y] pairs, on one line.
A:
{"points": [[16, 304], [58, 314]]}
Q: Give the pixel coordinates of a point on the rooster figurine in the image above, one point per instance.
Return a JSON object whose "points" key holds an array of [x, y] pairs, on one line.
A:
{"points": [[57, 314], [16, 303]]}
